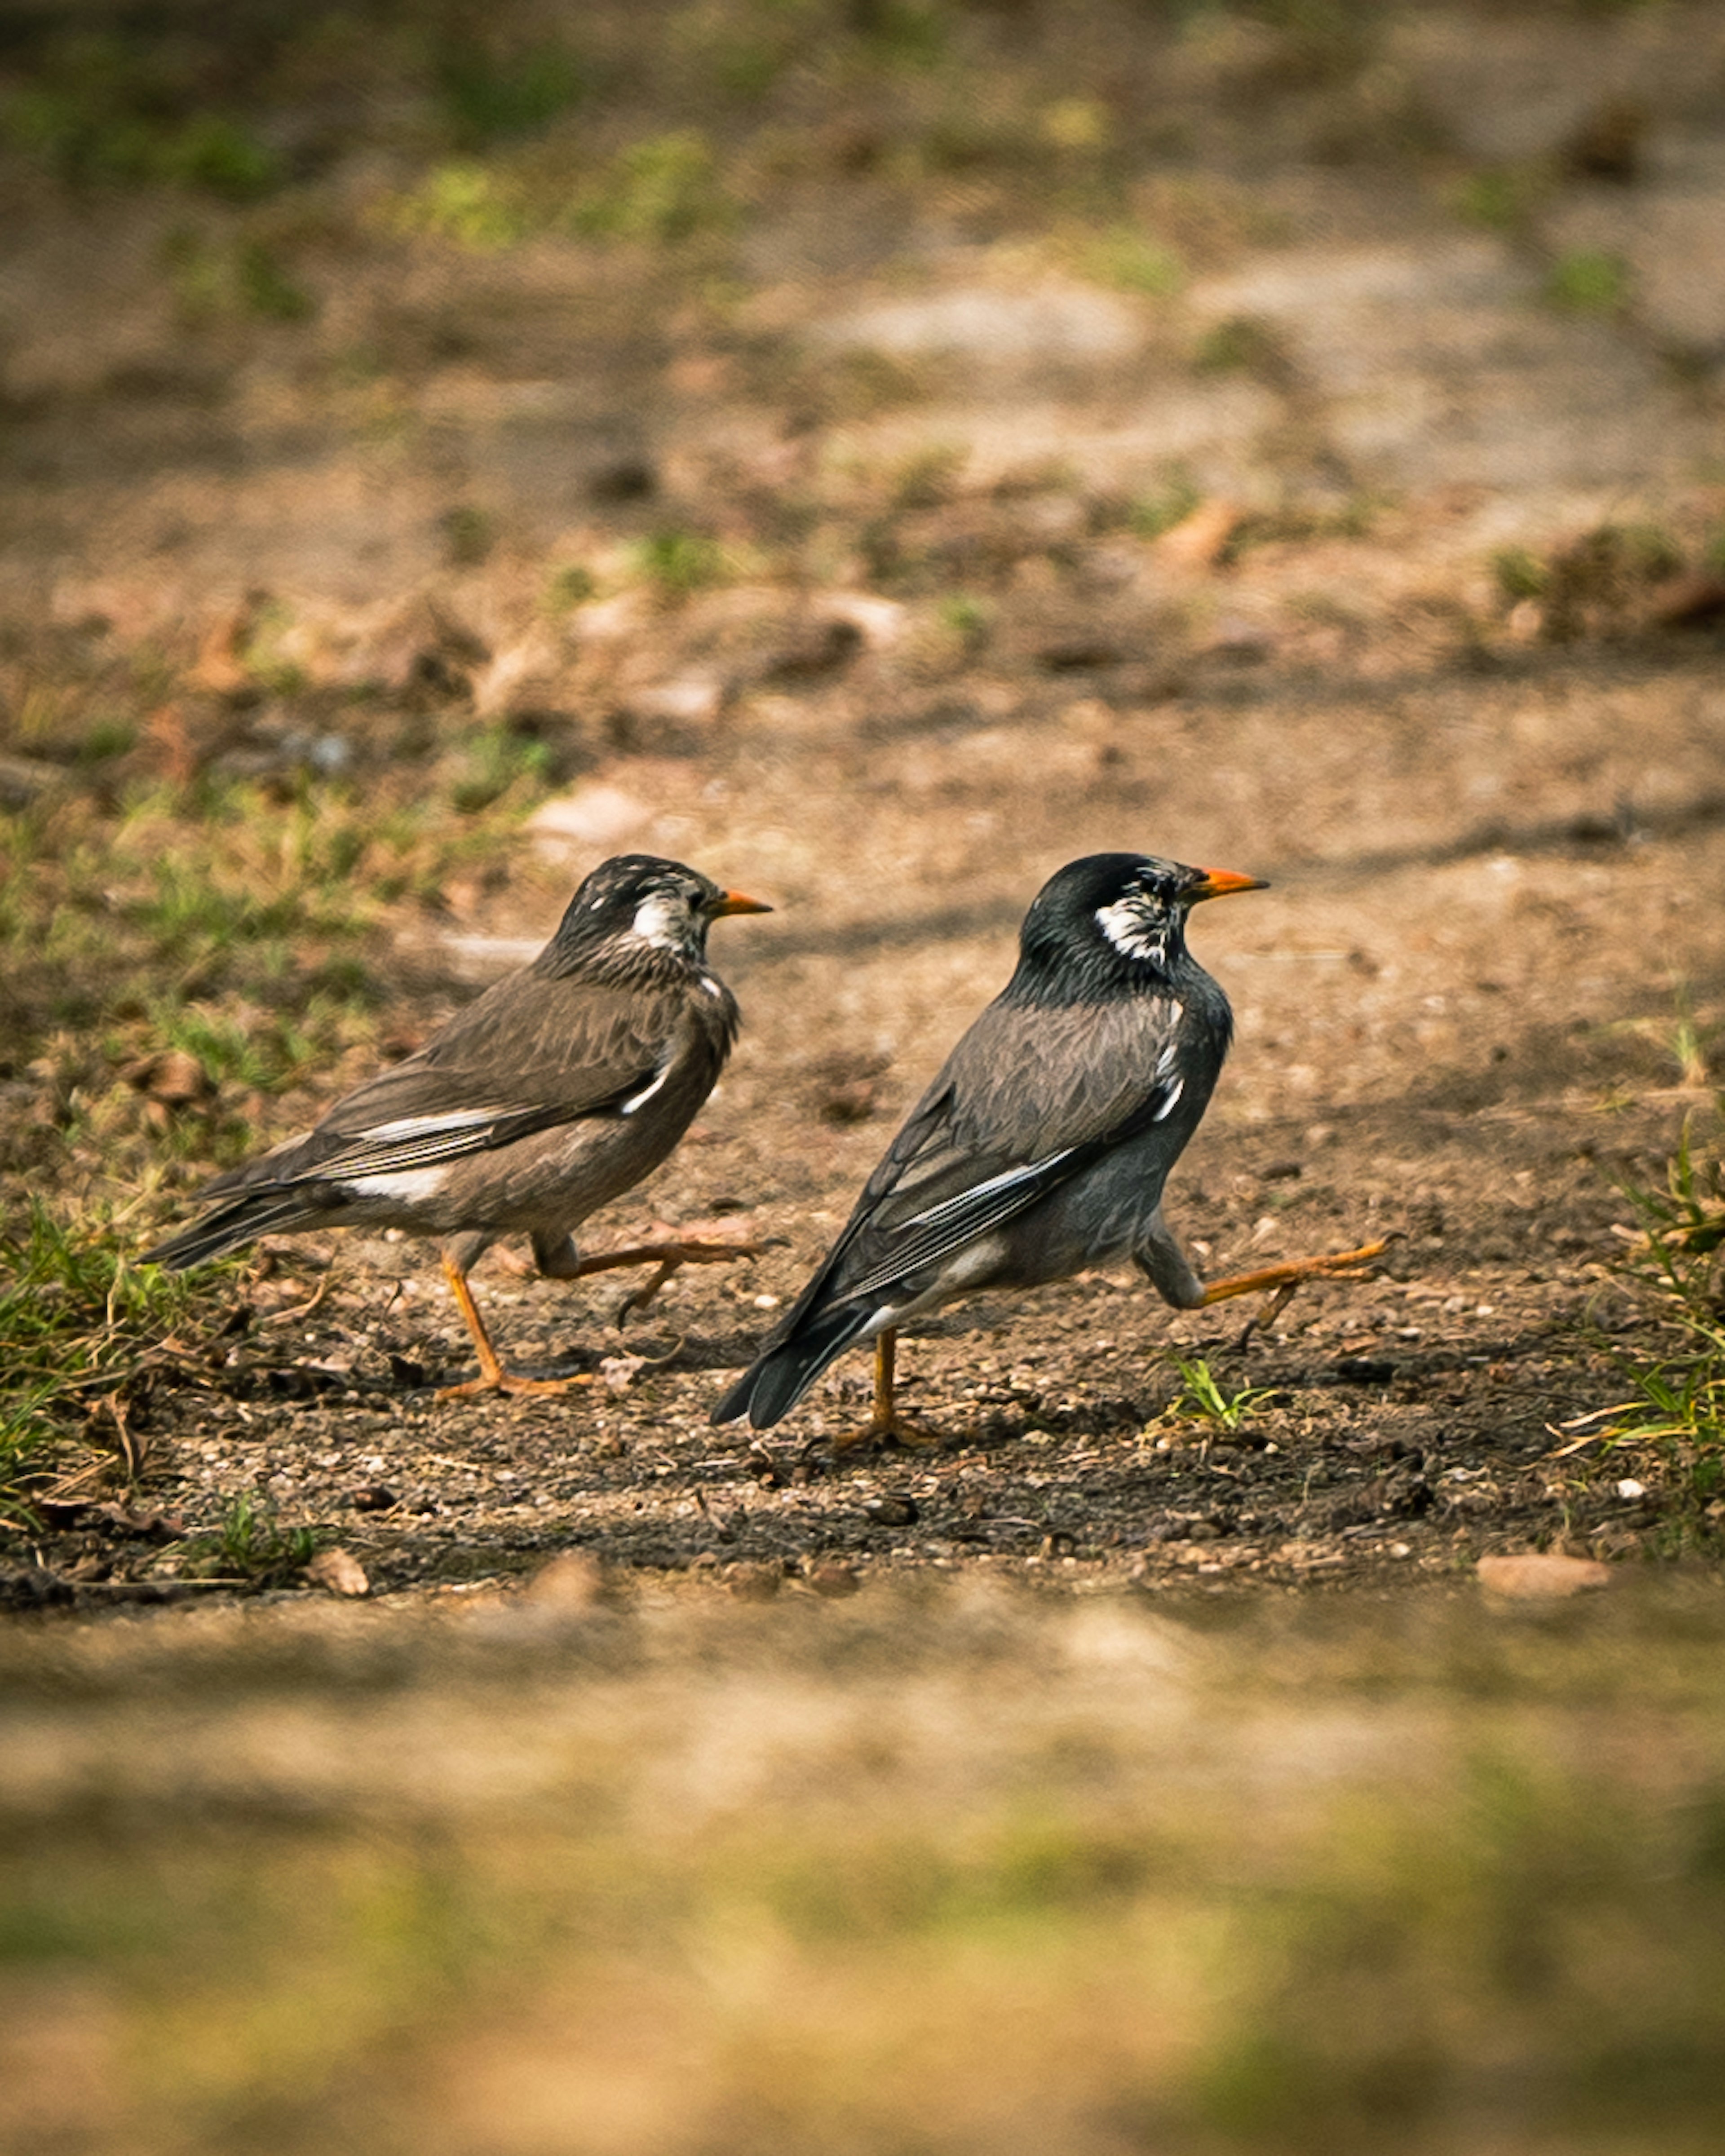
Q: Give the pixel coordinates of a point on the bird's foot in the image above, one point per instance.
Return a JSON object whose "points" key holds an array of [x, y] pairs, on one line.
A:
{"points": [[506, 1381], [1339, 1265], [889, 1429], [669, 1257]]}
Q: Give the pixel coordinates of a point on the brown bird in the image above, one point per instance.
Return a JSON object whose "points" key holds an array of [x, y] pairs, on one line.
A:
{"points": [[550, 1094], [1043, 1145]]}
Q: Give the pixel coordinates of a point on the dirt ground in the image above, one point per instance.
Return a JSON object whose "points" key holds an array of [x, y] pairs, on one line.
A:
{"points": [[950, 650], [877, 451]]}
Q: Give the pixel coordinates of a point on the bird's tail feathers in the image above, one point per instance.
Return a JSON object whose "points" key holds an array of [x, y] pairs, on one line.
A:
{"points": [[240, 1221], [775, 1380]]}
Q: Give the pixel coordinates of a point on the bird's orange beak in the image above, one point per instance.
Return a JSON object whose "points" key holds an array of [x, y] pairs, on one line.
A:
{"points": [[1223, 883], [736, 902]]}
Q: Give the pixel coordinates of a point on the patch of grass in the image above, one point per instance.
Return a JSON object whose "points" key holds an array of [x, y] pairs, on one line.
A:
{"points": [[77, 1319], [500, 761], [1132, 261], [251, 1544], [264, 1051], [677, 562], [1242, 344], [219, 155], [214, 279], [102, 108], [270, 894], [1519, 574], [663, 189], [1499, 197], [1679, 1394], [470, 203], [860, 383], [1150, 514], [1587, 280], [469, 534], [570, 585], [967, 619], [489, 97], [903, 33], [1596, 585], [1204, 1398], [929, 477], [1081, 124], [1301, 522]]}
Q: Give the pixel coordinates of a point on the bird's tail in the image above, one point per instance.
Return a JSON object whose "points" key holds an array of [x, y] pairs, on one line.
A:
{"points": [[777, 1379], [241, 1221]]}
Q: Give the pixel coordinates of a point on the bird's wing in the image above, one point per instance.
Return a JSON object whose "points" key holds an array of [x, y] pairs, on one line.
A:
{"points": [[1026, 1101], [529, 1055]]}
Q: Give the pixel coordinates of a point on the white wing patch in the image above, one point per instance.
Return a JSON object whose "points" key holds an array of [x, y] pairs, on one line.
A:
{"points": [[408, 1185], [424, 1127], [934, 1215], [640, 1100]]}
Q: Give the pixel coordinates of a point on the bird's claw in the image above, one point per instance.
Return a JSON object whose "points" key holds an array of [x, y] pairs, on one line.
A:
{"points": [[892, 1428], [669, 1257]]}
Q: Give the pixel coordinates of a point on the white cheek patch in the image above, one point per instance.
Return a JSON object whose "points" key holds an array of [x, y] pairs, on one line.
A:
{"points": [[1125, 927], [663, 921]]}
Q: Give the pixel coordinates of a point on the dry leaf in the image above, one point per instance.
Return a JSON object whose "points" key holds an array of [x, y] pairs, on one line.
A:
{"points": [[618, 1372], [175, 1077], [339, 1572], [1196, 540]]}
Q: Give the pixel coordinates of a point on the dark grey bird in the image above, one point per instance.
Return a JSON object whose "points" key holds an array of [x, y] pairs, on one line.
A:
{"points": [[1043, 1145], [547, 1096]]}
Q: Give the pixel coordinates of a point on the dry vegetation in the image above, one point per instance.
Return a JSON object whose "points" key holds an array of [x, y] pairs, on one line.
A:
{"points": [[876, 451]]}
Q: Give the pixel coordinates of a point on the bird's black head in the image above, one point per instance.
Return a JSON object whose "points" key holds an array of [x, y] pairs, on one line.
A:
{"points": [[636, 911], [1112, 924]]}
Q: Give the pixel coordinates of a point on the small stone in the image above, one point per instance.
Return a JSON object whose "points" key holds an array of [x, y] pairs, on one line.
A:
{"points": [[834, 1580], [373, 1497], [1541, 1575], [893, 1512], [755, 1583]]}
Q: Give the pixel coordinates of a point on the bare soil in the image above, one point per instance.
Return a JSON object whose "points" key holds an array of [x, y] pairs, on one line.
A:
{"points": [[943, 660]]}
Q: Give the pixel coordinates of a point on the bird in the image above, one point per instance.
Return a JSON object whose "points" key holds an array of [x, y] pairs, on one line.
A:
{"points": [[550, 1094], [1043, 1144]]}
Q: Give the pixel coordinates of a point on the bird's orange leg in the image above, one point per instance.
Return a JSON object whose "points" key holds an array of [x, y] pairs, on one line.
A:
{"points": [[493, 1378], [669, 1257], [885, 1424], [1344, 1264]]}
